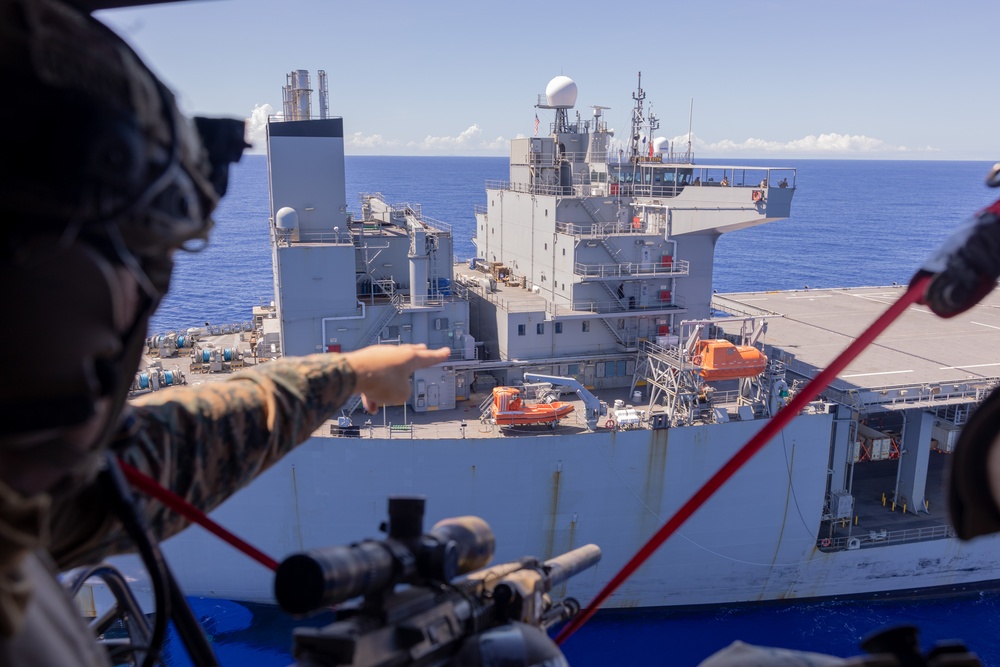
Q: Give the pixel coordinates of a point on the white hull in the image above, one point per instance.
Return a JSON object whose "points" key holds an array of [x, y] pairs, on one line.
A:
{"points": [[754, 540]]}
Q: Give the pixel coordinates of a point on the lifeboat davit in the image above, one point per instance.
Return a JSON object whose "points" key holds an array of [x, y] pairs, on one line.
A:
{"points": [[510, 410], [721, 360]]}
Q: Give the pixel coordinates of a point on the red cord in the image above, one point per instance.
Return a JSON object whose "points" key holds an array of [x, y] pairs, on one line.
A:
{"points": [[785, 415], [152, 488]]}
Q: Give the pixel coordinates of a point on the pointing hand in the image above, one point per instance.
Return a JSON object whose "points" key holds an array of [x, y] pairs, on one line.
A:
{"points": [[383, 371]]}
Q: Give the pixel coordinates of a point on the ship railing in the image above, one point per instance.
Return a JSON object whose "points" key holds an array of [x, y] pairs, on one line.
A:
{"points": [[401, 211], [878, 538], [728, 397], [612, 307], [288, 237], [723, 304], [678, 267], [925, 394], [508, 305], [602, 229], [575, 190], [550, 159], [435, 224]]}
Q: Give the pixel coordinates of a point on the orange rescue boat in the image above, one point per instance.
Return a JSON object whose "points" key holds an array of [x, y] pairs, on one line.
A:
{"points": [[721, 360], [510, 410]]}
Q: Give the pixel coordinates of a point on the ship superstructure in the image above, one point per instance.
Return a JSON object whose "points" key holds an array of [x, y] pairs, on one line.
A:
{"points": [[593, 277]]}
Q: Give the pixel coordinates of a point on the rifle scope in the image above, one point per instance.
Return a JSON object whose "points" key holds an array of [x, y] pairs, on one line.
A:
{"points": [[324, 577]]}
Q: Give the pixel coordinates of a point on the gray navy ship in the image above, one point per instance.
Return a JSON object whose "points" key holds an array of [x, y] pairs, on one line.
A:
{"points": [[595, 380]]}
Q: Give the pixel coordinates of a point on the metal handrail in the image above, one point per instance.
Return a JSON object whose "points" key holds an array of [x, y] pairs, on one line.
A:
{"points": [[678, 267], [884, 538], [288, 237], [933, 392], [613, 308]]}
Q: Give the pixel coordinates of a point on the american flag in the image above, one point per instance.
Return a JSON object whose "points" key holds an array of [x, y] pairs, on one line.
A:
{"points": [[536, 124]]}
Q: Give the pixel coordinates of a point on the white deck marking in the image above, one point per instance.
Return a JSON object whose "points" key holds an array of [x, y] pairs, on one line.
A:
{"points": [[959, 368], [814, 296], [986, 325], [861, 375]]}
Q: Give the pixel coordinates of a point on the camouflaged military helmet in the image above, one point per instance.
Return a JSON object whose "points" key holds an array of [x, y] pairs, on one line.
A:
{"points": [[98, 169], [93, 143]]}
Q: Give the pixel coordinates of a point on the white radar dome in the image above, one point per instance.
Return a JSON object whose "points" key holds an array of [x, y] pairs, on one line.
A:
{"points": [[286, 218], [661, 144], [561, 92]]}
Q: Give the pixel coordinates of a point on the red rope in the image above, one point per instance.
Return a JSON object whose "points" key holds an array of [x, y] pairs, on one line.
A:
{"points": [[785, 415], [151, 487]]}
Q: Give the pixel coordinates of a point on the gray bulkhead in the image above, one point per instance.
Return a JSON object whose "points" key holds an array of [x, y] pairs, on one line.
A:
{"points": [[339, 285]]}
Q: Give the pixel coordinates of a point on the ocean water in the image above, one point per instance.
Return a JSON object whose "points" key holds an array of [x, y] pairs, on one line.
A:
{"points": [[853, 223]]}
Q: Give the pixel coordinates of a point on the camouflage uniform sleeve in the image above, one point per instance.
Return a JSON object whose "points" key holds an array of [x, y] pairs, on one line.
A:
{"points": [[206, 442]]}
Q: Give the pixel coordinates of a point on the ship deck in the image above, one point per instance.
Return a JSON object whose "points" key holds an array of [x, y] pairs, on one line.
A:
{"points": [[921, 360]]}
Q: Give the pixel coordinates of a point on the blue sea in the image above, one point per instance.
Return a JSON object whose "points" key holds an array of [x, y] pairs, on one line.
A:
{"points": [[853, 223]]}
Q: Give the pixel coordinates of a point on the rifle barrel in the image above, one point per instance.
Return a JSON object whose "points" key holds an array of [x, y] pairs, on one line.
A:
{"points": [[572, 563]]}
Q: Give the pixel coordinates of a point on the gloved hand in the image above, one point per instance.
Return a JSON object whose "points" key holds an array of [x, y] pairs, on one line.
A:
{"points": [[967, 265]]}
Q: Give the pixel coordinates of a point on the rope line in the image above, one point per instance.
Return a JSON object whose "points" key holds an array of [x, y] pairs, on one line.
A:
{"points": [[151, 487]]}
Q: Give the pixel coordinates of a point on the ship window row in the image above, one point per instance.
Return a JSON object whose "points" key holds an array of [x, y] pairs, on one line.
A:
{"points": [[522, 329]]}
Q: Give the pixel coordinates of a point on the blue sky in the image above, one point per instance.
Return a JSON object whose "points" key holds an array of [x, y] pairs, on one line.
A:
{"points": [[874, 79]]}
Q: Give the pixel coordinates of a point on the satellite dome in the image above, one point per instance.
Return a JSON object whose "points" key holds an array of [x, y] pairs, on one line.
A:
{"points": [[561, 92], [286, 218], [660, 143]]}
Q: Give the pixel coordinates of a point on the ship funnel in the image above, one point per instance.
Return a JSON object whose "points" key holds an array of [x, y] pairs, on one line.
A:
{"points": [[297, 96]]}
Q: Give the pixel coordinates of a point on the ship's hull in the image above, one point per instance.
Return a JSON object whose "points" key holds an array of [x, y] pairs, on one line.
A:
{"points": [[755, 540]]}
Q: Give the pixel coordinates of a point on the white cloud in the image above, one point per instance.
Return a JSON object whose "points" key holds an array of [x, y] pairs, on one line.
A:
{"points": [[256, 133], [470, 139], [831, 143], [370, 141]]}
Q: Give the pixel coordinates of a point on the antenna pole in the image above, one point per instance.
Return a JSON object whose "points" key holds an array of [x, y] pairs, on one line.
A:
{"points": [[690, 122]]}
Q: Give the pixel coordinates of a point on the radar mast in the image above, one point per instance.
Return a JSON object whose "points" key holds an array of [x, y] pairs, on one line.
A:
{"points": [[641, 123]]}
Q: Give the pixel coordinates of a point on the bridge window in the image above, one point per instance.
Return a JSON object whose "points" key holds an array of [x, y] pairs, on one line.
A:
{"points": [[558, 327], [586, 326], [521, 330], [540, 328]]}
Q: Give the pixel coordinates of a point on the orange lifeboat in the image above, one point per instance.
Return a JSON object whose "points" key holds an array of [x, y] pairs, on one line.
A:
{"points": [[510, 410], [721, 360]]}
